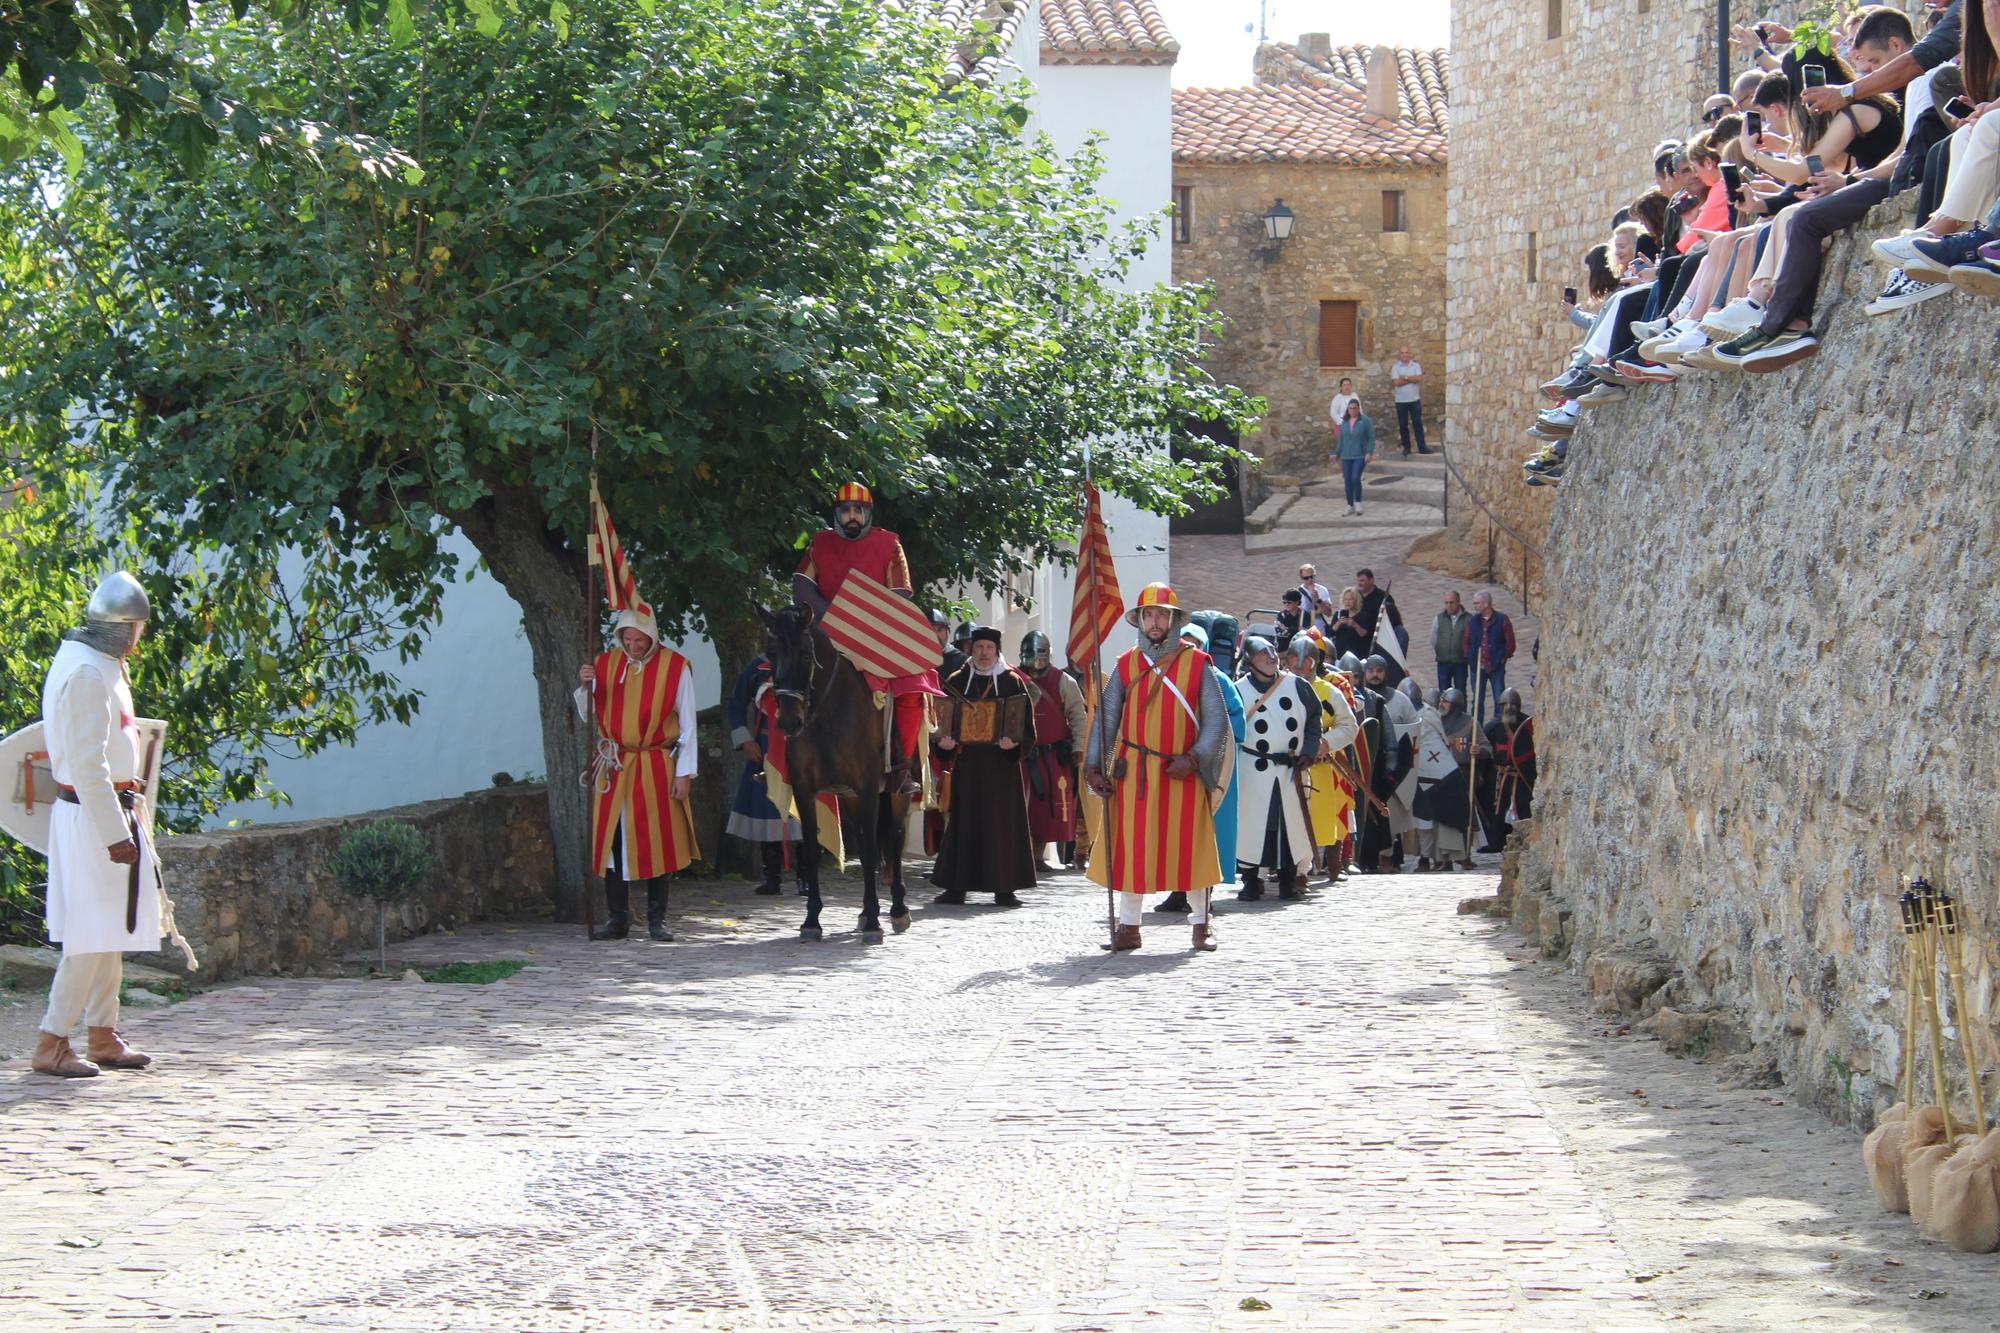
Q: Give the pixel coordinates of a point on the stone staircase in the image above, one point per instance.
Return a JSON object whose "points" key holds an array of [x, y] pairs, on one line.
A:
{"points": [[1402, 499]]}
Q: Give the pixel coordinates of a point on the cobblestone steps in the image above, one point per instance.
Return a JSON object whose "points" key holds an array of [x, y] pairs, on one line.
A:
{"points": [[1402, 501]]}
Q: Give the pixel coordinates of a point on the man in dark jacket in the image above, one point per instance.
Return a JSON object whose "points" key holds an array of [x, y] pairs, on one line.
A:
{"points": [[1376, 603], [1489, 642]]}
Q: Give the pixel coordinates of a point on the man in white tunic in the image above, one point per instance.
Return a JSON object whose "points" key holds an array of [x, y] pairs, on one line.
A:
{"points": [[104, 896]]}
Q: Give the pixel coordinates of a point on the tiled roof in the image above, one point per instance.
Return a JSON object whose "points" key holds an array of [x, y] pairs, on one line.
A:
{"points": [[1105, 32], [985, 29], [1423, 92], [1296, 122]]}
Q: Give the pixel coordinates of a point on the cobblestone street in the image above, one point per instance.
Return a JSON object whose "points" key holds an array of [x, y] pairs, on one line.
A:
{"points": [[1366, 1111]]}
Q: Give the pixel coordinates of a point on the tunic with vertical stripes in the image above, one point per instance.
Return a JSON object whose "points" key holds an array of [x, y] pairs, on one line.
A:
{"points": [[1160, 830], [638, 706]]}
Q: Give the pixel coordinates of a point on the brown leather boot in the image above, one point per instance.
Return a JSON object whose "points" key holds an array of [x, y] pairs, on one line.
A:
{"points": [[108, 1049], [54, 1055], [1124, 937], [1204, 938]]}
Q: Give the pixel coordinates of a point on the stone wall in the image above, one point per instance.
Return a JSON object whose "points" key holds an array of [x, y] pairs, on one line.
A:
{"points": [[1549, 138], [1338, 251], [1770, 670], [262, 898]]}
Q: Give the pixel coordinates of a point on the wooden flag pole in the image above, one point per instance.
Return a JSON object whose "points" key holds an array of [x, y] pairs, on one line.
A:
{"points": [[590, 703]]}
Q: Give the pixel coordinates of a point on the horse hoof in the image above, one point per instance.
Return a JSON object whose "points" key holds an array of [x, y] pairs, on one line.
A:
{"points": [[810, 932], [872, 936], [899, 924]]}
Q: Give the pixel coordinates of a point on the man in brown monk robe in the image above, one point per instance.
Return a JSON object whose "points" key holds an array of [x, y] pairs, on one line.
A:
{"points": [[987, 846]]}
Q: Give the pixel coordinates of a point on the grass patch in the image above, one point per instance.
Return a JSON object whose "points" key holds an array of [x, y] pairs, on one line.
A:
{"points": [[473, 974]]}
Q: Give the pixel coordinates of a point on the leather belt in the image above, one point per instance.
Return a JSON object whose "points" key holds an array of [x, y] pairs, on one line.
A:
{"points": [[128, 796]]}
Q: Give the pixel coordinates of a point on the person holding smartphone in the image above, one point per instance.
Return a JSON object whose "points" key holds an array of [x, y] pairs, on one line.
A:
{"points": [[1885, 48]]}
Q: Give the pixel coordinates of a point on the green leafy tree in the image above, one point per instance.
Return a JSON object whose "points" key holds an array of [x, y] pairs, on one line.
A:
{"points": [[729, 256], [384, 862], [174, 68]]}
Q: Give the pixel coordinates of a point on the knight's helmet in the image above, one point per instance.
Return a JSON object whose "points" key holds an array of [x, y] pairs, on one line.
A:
{"points": [[1035, 649], [116, 615]]}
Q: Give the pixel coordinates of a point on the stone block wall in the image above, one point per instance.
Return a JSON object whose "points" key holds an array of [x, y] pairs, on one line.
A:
{"points": [[262, 898], [1338, 251], [1549, 138], [1770, 672]]}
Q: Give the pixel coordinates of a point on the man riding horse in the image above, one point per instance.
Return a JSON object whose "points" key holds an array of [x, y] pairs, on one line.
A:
{"points": [[855, 545]]}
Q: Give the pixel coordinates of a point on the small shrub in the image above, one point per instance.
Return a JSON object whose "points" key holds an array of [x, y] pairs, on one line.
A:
{"points": [[386, 861]]}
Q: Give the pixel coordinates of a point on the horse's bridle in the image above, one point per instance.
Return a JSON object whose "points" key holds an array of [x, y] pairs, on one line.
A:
{"points": [[804, 697]]}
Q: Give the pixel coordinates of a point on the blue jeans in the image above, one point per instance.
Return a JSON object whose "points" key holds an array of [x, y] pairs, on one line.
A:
{"points": [[1453, 676], [1410, 416], [1497, 680], [1350, 476]]}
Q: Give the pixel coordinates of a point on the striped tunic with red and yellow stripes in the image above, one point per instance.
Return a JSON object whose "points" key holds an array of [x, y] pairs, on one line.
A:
{"points": [[635, 709], [1159, 833]]}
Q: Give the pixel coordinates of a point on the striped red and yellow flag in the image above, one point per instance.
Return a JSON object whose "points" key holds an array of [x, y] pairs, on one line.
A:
{"points": [[1098, 606], [621, 593], [882, 633]]}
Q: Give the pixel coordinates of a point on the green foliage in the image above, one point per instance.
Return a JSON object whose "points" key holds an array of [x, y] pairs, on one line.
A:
{"points": [[384, 861], [1810, 38], [743, 252], [474, 974], [184, 71]]}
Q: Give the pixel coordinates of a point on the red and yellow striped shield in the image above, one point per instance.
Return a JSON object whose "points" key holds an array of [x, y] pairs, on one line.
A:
{"points": [[880, 632]]}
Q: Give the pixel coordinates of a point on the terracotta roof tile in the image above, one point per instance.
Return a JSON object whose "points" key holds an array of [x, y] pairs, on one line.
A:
{"points": [[1105, 32], [1423, 93], [1297, 122], [985, 28]]}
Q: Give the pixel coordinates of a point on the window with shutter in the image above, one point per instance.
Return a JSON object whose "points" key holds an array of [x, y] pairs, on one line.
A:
{"points": [[1394, 216], [1183, 214], [1339, 334]]}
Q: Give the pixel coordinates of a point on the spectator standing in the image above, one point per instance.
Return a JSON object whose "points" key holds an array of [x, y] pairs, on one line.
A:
{"points": [[1341, 398], [1292, 618], [1311, 589], [1407, 379], [1357, 442], [1346, 631], [1489, 642], [1448, 645], [1376, 603]]}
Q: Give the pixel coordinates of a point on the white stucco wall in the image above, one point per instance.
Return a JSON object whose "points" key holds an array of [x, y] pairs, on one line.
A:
{"points": [[1131, 107], [477, 717]]}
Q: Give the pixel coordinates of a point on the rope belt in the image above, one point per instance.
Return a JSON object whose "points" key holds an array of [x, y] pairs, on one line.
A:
{"points": [[1145, 750], [608, 760]]}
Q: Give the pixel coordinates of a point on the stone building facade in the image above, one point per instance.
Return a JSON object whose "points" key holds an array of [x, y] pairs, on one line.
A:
{"points": [[1556, 105], [1363, 169]]}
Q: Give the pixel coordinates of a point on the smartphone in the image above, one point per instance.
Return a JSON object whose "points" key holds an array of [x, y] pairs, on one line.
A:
{"points": [[1753, 126], [1813, 165], [1958, 108], [1732, 176], [1815, 76], [1569, 295]]}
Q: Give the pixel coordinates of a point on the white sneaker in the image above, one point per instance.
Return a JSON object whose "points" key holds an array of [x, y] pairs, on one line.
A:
{"points": [[1692, 340], [1899, 250], [1902, 292], [1653, 328], [1733, 320], [1350, 509], [1357, 511]]}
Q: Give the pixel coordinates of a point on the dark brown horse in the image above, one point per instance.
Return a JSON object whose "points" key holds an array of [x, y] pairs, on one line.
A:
{"points": [[834, 742]]}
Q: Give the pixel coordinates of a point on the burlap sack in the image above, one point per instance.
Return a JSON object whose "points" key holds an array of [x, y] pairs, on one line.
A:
{"points": [[1882, 1154], [1924, 1151], [1965, 1197]]}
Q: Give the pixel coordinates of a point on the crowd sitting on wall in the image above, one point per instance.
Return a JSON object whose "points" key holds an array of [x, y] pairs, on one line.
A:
{"points": [[1716, 266]]}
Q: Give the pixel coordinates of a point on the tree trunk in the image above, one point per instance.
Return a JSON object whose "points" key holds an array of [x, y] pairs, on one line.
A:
{"points": [[546, 580]]}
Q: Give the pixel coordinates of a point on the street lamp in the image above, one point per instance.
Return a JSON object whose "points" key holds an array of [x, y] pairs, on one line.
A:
{"points": [[1278, 223]]}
